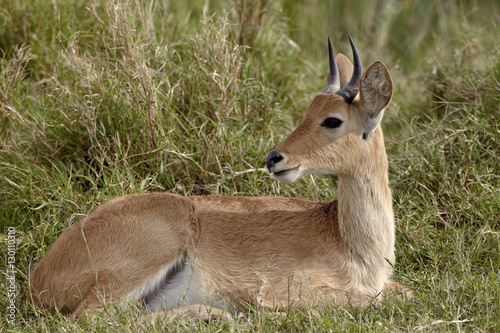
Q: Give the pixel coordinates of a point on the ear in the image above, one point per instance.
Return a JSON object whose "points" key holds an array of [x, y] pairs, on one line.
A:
{"points": [[345, 69], [375, 93]]}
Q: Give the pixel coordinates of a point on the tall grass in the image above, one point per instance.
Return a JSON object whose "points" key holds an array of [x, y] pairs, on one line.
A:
{"points": [[107, 98]]}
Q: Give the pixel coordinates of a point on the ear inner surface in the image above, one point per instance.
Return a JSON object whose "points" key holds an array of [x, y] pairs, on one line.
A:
{"points": [[376, 92]]}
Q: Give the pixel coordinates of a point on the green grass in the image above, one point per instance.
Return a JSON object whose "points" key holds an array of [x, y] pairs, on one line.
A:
{"points": [[111, 98]]}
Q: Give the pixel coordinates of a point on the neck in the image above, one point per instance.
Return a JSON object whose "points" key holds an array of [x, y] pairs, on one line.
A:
{"points": [[366, 220]]}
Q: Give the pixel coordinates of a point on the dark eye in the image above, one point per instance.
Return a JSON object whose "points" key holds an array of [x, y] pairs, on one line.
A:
{"points": [[332, 122]]}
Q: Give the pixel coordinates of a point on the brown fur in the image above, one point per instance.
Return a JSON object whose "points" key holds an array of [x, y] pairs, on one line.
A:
{"points": [[269, 252]]}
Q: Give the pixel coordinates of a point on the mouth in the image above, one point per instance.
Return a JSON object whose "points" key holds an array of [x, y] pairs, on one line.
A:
{"points": [[280, 172], [284, 172]]}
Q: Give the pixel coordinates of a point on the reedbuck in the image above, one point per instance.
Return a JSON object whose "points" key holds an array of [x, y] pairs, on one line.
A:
{"points": [[199, 255]]}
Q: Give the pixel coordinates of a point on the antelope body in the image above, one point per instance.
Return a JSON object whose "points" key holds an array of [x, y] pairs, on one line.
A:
{"points": [[173, 252]]}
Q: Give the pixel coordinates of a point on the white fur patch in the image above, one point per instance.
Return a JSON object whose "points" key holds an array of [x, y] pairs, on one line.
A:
{"points": [[183, 288], [176, 285], [373, 121]]}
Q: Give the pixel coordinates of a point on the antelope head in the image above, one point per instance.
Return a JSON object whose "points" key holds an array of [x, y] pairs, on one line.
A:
{"points": [[340, 131]]}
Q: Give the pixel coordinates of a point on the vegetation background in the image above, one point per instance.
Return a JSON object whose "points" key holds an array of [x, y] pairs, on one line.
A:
{"points": [[103, 98]]}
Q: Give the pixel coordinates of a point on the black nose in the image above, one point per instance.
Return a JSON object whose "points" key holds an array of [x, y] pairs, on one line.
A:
{"points": [[272, 159]]}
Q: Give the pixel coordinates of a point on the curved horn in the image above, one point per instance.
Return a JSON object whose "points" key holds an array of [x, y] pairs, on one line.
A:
{"points": [[351, 89], [333, 79]]}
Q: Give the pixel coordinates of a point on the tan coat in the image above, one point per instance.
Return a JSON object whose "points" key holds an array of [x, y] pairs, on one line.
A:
{"points": [[170, 251]]}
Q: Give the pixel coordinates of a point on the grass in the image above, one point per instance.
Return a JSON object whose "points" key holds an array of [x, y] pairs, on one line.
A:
{"points": [[111, 98]]}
